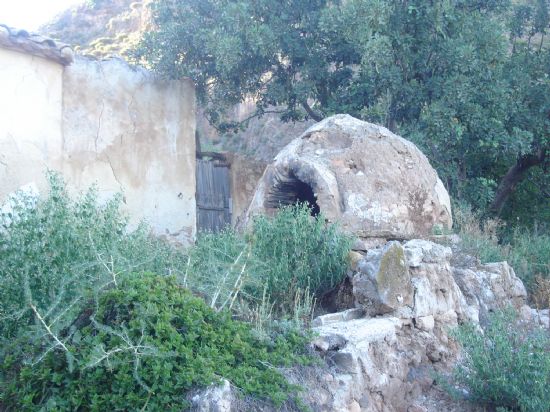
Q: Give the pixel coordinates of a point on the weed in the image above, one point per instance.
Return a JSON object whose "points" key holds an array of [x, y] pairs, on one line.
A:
{"points": [[507, 365]]}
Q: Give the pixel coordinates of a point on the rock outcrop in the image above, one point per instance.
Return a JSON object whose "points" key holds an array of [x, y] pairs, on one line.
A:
{"points": [[384, 354], [387, 361], [373, 182]]}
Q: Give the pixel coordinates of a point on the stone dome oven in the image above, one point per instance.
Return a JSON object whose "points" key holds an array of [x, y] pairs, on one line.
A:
{"points": [[373, 182]]}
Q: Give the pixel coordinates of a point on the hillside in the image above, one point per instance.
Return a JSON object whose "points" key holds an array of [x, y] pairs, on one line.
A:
{"points": [[101, 28]]}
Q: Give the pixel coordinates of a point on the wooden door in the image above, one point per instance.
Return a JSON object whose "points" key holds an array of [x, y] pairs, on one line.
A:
{"points": [[213, 195]]}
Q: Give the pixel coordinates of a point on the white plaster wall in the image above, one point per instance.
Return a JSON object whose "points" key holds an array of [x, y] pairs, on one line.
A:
{"points": [[106, 123], [30, 120], [131, 132]]}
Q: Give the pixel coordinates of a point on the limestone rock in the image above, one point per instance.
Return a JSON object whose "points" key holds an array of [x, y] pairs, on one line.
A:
{"points": [[375, 183], [382, 283], [490, 286], [418, 251], [426, 323], [213, 399], [346, 315], [387, 363]]}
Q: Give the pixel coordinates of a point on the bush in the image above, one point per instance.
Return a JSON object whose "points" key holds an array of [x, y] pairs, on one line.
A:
{"points": [[57, 252], [282, 264], [296, 254], [144, 344], [479, 237], [219, 263], [507, 366], [529, 255]]}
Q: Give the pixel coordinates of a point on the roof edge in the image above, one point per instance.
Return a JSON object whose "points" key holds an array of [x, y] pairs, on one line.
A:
{"points": [[35, 44]]}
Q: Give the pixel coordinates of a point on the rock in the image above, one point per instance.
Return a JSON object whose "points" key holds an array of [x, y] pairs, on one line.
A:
{"points": [[354, 259], [418, 251], [354, 406], [213, 399], [329, 341], [346, 315], [540, 317], [373, 182], [490, 287], [388, 362], [363, 245], [426, 323], [382, 283], [358, 364], [416, 408]]}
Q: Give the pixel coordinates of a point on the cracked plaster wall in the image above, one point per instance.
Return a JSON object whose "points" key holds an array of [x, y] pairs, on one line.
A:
{"points": [[101, 122], [30, 119]]}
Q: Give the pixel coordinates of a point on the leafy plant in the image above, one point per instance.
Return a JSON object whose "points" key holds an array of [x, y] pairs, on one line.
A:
{"points": [[279, 268], [82, 326], [219, 265], [529, 255], [507, 365], [479, 237], [142, 346], [56, 252], [468, 81], [297, 254]]}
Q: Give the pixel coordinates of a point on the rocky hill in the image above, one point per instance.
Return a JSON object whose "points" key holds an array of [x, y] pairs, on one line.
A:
{"points": [[101, 28]]}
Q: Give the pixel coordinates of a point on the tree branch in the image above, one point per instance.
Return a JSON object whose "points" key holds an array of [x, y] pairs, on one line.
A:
{"points": [[311, 113], [513, 177], [47, 327]]}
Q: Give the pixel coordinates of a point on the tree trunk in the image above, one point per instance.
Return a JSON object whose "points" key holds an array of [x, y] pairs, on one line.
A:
{"points": [[513, 177], [311, 113]]}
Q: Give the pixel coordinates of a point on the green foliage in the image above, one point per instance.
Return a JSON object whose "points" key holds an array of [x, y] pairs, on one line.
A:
{"points": [[219, 264], [56, 250], [479, 237], [529, 255], [297, 253], [142, 346], [467, 80], [282, 264], [273, 51], [83, 326], [507, 366]]}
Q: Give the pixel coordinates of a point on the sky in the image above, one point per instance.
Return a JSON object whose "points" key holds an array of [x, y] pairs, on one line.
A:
{"points": [[31, 14]]}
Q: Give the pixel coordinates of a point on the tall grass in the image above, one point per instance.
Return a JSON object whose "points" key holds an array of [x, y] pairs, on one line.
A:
{"points": [[280, 267]]}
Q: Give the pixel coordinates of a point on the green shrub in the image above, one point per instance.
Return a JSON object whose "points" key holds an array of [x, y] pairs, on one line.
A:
{"points": [[55, 251], [144, 344], [507, 366], [529, 255], [296, 253], [278, 268], [219, 263], [479, 237]]}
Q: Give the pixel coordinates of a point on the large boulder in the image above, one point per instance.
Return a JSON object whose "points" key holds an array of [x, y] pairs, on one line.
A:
{"points": [[375, 183], [383, 283]]}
